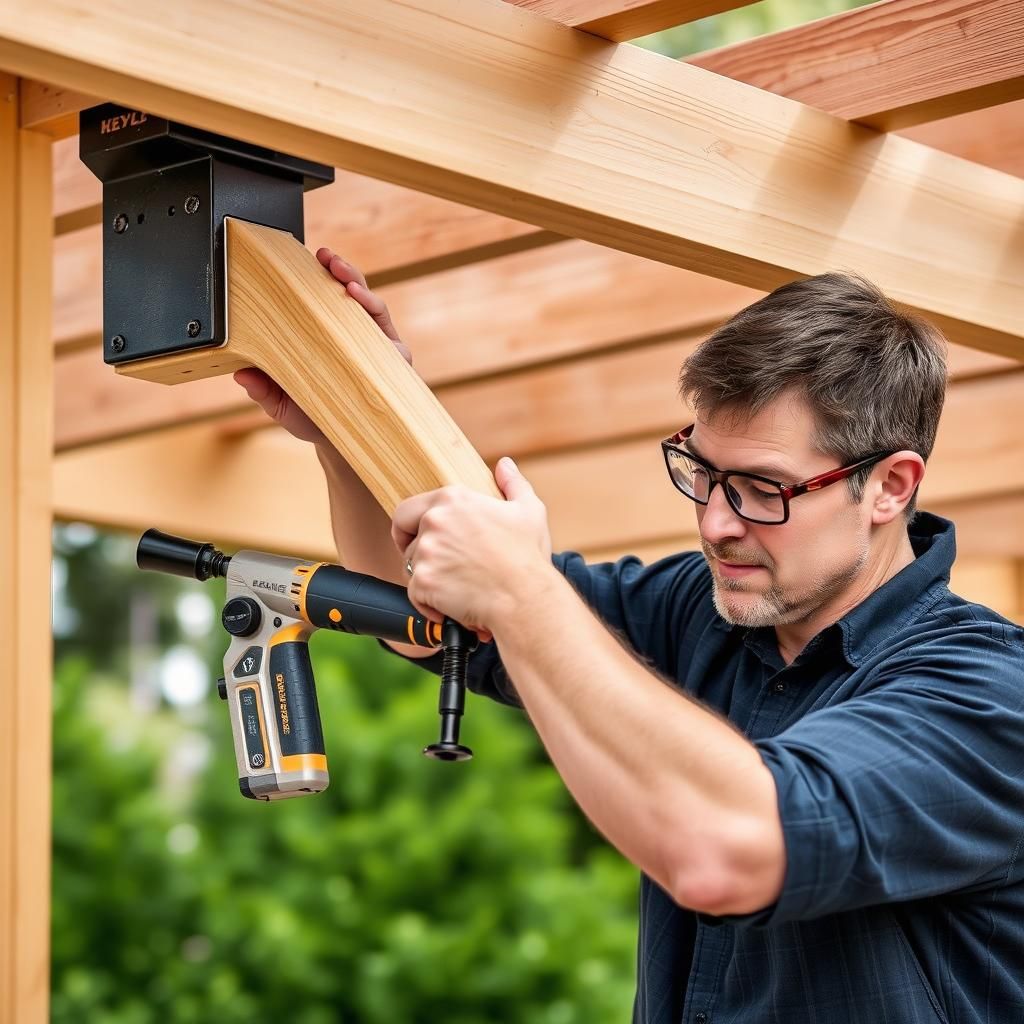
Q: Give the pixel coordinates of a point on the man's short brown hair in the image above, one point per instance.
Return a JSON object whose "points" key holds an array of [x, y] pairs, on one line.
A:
{"points": [[873, 377]]}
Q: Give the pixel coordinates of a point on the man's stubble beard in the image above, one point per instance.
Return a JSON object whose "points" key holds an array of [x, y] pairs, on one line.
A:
{"points": [[774, 607]]}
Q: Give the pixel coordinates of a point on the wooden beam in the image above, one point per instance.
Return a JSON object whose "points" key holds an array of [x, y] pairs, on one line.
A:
{"points": [[151, 481], [991, 137], [729, 180], [600, 315], [890, 65], [620, 20], [991, 526], [26, 438], [571, 404], [196, 482], [51, 110], [288, 317], [447, 235], [604, 394], [495, 316], [392, 234]]}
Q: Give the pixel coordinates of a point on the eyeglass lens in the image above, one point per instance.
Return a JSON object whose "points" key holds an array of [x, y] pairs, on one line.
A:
{"points": [[753, 499]]}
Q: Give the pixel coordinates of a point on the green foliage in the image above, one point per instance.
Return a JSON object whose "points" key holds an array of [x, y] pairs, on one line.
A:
{"points": [[410, 890], [742, 23]]}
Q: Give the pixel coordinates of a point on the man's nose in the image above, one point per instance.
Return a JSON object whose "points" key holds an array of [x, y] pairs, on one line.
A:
{"points": [[718, 520]]}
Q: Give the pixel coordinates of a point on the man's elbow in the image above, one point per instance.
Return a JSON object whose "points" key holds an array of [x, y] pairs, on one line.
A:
{"points": [[742, 874]]}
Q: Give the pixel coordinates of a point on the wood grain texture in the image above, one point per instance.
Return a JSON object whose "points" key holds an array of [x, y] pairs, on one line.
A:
{"points": [[51, 110], [620, 20], [26, 439], [508, 315], [484, 338], [615, 497], [730, 180], [443, 235], [992, 137], [151, 481], [287, 316], [890, 65]]}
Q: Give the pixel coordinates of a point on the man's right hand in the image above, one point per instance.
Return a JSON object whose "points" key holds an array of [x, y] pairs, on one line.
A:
{"points": [[271, 397]]}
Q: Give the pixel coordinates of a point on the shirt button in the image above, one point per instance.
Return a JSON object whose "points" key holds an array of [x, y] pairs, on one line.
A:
{"points": [[779, 687], [701, 1018]]}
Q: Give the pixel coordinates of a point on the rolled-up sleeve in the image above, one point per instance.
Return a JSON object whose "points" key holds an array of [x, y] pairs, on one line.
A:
{"points": [[912, 788]]}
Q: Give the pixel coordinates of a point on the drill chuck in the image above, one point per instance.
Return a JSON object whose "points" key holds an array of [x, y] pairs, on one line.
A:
{"points": [[161, 552]]}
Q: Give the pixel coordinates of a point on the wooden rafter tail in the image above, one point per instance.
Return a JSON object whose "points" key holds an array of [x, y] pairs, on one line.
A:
{"points": [[288, 317], [890, 65]]}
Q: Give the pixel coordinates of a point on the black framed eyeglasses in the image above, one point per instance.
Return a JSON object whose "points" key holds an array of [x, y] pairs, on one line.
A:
{"points": [[757, 499]]}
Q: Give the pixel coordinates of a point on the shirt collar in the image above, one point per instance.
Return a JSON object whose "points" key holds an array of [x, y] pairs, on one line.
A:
{"points": [[898, 600], [883, 612]]}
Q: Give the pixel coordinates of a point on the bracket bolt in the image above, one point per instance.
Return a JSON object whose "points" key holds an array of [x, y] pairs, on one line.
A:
{"points": [[192, 204], [117, 342], [193, 327], [121, 223]]}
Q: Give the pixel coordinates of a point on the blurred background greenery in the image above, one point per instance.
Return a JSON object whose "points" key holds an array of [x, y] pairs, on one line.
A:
{"points": [[409, 891]]}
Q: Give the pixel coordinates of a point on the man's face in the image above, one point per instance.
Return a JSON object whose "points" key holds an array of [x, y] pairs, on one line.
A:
{"points": [[778, 575]]}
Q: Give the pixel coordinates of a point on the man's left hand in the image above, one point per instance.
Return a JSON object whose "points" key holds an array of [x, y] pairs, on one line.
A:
{"points": [[474, 557]]}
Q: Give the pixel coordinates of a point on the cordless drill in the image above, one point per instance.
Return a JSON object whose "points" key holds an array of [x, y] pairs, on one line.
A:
{"points": [[272, 606]]}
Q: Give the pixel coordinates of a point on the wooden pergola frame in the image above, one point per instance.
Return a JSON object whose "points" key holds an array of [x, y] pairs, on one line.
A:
{"points": [[754, 165]]}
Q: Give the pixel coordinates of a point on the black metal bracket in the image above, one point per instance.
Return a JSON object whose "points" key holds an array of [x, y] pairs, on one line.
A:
{"points": [[167, 188]]}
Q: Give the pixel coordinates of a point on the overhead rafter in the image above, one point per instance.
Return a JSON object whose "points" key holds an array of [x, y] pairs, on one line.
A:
{"points": [[554, 327], [890, 65], [729, 180], [620, 20]]}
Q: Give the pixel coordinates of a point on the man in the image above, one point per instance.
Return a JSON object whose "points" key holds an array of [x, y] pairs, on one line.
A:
{"points": [[827, 799]]}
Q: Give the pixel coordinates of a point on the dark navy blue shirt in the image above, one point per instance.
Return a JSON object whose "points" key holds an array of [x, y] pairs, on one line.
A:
{"points": [[896, 741]]}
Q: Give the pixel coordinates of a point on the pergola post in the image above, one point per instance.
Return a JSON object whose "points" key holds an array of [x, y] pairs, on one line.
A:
{"points": [[26, 446]]}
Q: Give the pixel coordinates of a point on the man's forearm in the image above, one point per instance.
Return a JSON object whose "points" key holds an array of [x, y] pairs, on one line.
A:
{"points": [[674, 787], [362, 531], [361, 528]]}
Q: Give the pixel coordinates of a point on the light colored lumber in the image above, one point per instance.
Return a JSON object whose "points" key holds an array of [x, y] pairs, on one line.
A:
{"points": [[729, 180], [892, 64], [601, 394], [493, 316], [26, 441], [993, 581], [582, 402], [391, 234], [191, 480], [287, 316], [991, 526], [197, 482], [992, 137], [620, 20], [77, 192], [52, 110], [353, 214]]}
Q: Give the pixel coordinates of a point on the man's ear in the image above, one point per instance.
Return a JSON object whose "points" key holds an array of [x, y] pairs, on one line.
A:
{"points": [[893, 484]]}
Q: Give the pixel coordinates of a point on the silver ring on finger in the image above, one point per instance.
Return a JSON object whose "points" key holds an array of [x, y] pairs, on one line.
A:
{"points": [[408, 566]]}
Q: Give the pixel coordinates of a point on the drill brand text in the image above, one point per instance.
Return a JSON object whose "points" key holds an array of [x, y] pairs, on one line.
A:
{"points": [[278, 588], [282, 705]]}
